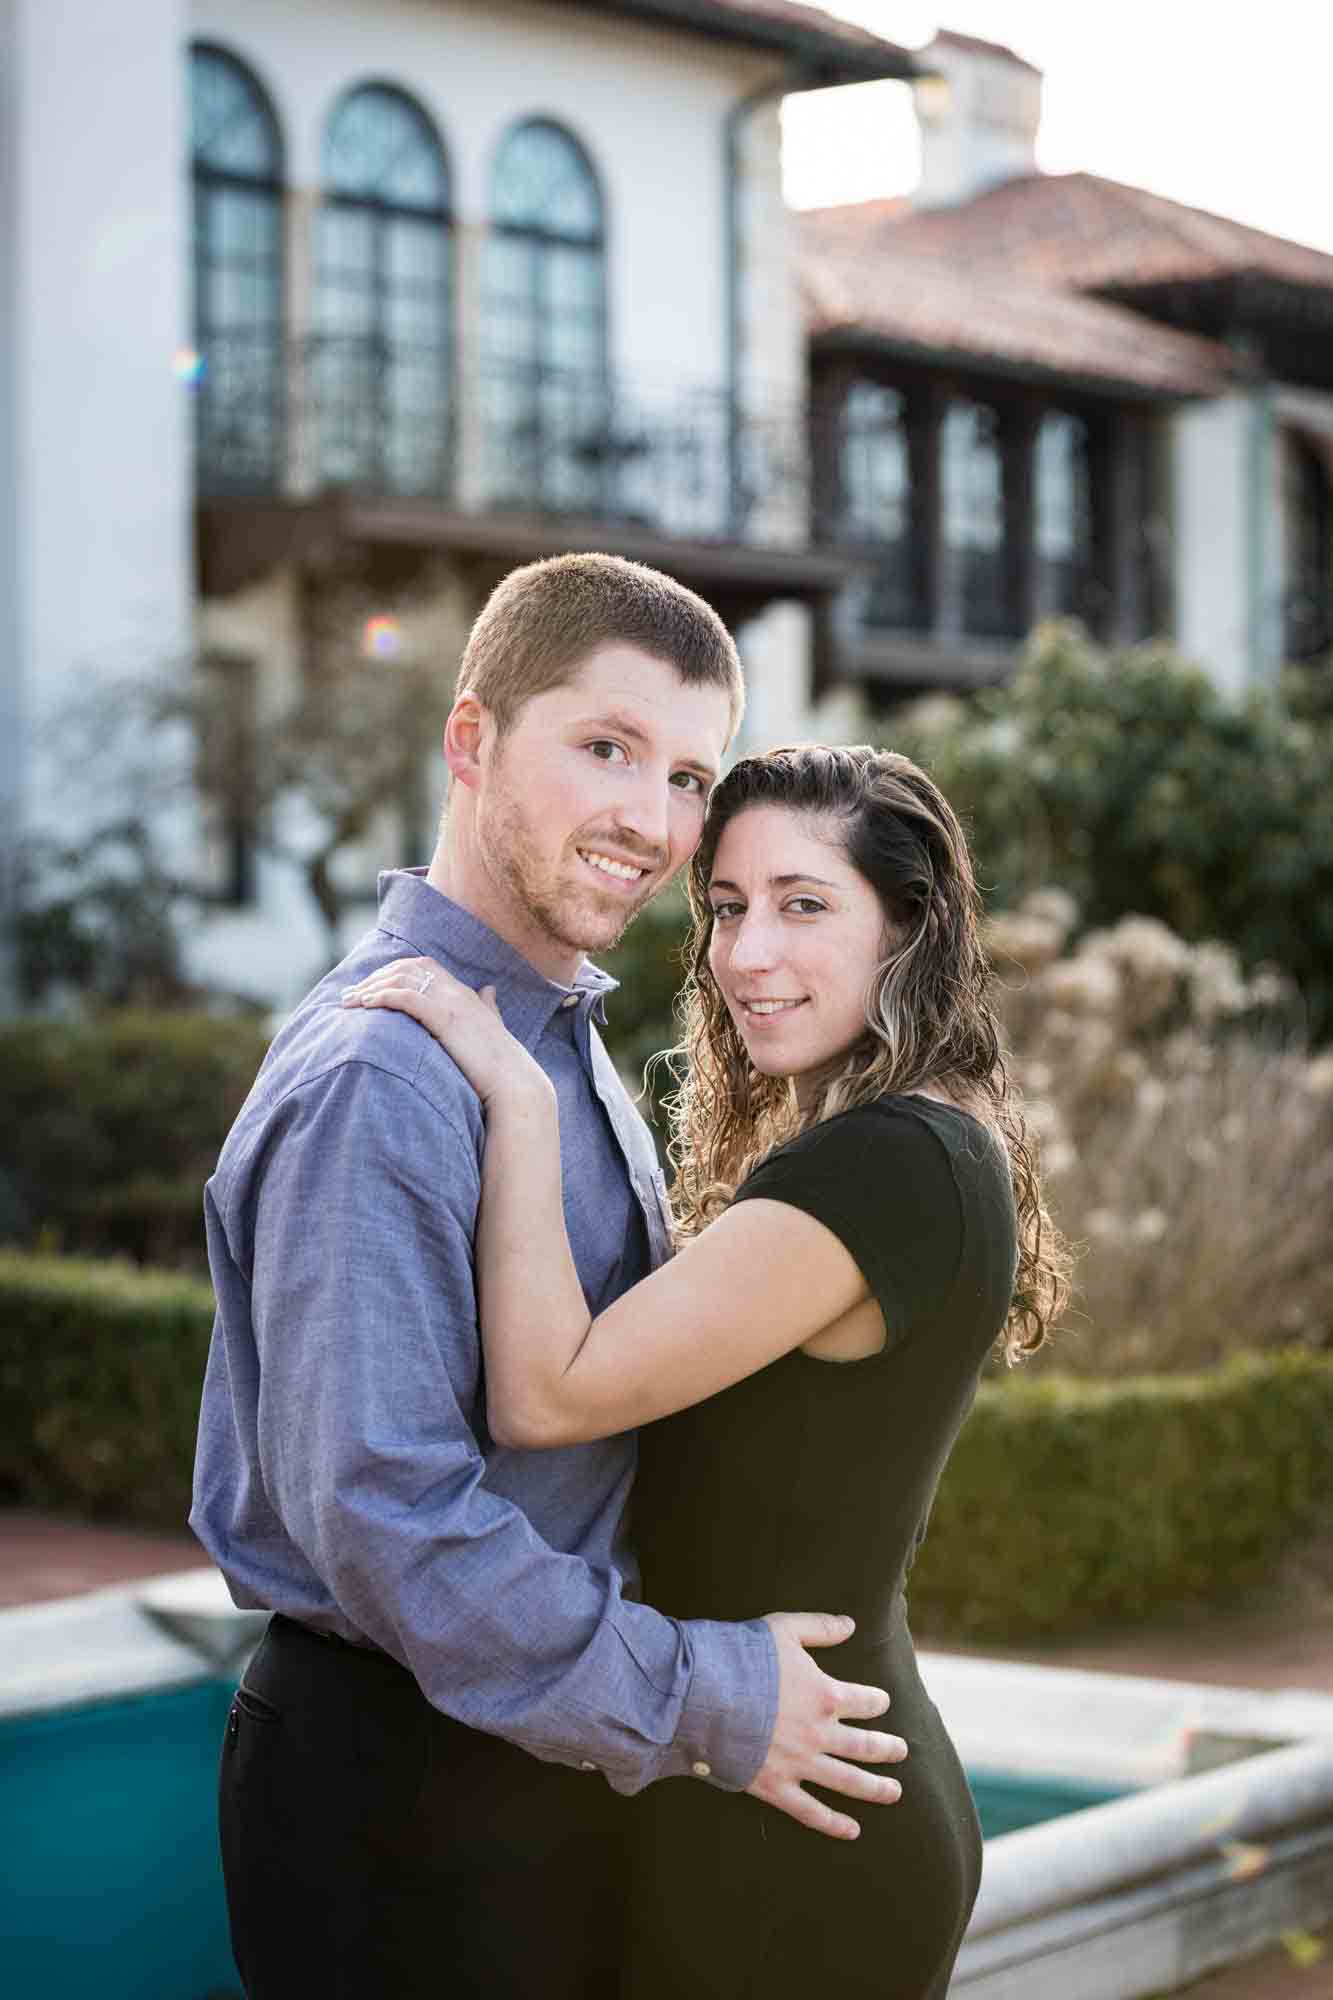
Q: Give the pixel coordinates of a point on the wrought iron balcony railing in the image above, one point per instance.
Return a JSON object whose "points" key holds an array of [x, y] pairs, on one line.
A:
{"points": [[387, 419]]}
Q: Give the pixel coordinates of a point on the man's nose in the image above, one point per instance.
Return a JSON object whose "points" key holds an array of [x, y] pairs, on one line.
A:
{"points": [[646, 813]]}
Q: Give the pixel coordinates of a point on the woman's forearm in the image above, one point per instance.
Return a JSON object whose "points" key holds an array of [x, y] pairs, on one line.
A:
{"points": [[534, 1317]]}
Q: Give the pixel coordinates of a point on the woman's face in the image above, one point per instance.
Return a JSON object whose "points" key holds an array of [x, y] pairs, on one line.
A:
{"points": [[797, 936]]}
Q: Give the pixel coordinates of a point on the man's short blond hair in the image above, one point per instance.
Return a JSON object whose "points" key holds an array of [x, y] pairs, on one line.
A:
{"points": [[541, 622]]}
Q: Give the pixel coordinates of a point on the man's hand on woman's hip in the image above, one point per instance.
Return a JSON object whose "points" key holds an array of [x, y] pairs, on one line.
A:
{"points": [[812, 1740]]}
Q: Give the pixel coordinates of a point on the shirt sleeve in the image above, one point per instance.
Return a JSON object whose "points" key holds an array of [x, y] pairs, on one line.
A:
{"points": [[365, 1321], [882, 1182]]}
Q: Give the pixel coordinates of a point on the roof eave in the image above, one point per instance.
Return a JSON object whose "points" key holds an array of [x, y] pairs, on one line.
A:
{"points": [[1001, 368], [1245, 289], [823, 59]]}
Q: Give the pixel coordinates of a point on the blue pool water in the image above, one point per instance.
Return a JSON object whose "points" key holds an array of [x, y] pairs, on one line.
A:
{"points": [[1006, 1802], [112, 1888]]}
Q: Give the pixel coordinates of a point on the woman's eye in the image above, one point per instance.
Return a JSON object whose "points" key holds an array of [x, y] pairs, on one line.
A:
{"points": [[607, 751], [806, 906], [721, 911]]}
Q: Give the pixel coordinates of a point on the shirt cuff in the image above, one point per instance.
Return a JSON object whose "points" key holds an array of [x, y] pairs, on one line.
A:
{"points": [[732, 1706]]}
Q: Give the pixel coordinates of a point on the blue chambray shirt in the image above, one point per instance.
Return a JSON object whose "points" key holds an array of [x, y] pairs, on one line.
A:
{"points": [[345, 1475]]}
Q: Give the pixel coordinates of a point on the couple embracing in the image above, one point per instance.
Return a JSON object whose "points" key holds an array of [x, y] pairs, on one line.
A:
{"points": [[584, 1512]]}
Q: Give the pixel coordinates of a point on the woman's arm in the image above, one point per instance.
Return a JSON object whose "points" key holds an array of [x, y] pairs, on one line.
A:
{"points": [[763, 1279]]}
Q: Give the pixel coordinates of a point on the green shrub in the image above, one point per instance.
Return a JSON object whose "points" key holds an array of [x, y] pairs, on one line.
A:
{"points": [[1071, 1504], [1068, 1504], [1131, 781], [101, 1366], [640, 1017], [110, 1127]]}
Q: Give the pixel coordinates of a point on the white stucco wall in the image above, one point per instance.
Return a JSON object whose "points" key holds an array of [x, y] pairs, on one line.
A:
{"points": [[13, 600], [1227, 554], [650, 108], [978, 126], [95, 429], [775, 652], [97, 461], [647, 105]]}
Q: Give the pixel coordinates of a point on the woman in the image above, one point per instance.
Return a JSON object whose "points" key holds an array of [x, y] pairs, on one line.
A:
{"points": [[860, 1221]]}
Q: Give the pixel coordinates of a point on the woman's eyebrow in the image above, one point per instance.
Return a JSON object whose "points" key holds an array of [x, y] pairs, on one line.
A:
{"points": [[776, 882]]}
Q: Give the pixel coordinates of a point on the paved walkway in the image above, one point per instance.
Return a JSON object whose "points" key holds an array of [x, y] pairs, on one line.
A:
{"points": [[43, 1556], [1288, 1648]]}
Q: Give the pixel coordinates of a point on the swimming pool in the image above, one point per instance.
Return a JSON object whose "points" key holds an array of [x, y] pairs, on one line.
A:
{"points": [[112, 1709], [113, 1889]]}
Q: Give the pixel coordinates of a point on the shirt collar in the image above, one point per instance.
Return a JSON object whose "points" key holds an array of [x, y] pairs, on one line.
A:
{"points": [[428, 922]]}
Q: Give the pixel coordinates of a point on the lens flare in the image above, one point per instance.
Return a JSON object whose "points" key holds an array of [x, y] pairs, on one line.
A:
{"points": [[1301, 1948], [188, 366], [1245, 1859], [381, 637]]}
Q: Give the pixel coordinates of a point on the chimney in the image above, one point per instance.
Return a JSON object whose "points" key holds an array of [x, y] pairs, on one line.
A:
{"points": [[978, 115]]}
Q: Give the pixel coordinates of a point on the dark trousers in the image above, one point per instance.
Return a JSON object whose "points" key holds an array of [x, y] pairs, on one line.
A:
{"points": [[375, 1850]]}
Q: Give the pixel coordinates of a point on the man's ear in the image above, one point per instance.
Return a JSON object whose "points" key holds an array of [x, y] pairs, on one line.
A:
{"points": [[467, 733]]}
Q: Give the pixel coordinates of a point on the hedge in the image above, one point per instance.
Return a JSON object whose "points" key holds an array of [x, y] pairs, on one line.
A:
{"points": [[100, 1371], [1068, 1504], [110, 1127], [1071, 1505]]}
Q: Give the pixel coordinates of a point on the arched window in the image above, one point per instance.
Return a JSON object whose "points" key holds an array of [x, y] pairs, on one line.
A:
{"points": [[1062, 523], [875, 489], [545, 343], [973, 516], [1307, 511], [236, 161], [381, 364]]}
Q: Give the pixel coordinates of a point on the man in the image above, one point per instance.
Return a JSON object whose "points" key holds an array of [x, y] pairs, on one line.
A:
{"points": [[448, 1612]]}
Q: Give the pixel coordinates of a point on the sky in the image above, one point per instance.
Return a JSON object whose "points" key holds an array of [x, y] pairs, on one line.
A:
{"points": [[1226, 110]]}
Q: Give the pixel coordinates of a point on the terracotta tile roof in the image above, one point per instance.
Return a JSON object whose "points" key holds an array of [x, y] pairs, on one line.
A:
{"points": [[1090, 234], [1009, 276], [858, 281], [840, 50]]}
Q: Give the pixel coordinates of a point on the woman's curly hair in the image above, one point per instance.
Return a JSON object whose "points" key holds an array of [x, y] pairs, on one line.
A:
{"points": [[929, 1016]]}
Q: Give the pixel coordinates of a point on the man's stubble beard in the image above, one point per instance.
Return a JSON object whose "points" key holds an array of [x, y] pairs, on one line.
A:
{"points": [[513, 860]]}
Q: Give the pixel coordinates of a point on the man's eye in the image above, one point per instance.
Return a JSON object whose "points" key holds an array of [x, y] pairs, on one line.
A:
{"points": [[607, 751], [689, 781]]}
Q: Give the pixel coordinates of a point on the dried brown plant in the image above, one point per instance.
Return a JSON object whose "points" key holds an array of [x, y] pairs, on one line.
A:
{"points": [[1186, 1140]]}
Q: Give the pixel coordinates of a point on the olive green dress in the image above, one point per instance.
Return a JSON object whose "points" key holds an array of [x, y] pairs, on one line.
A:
{"points": [[807, 1487]]}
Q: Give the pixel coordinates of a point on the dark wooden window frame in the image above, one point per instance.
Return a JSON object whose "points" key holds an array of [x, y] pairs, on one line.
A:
{"points": [[389, 448], [1307, 594], [547, 421], [227, 760], [1121, 595], [241, 385]]}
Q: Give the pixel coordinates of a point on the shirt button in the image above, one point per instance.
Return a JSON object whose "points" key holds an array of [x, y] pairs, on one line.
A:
{"points": [[586, 1766], [702, 1770], [572, 1000]]}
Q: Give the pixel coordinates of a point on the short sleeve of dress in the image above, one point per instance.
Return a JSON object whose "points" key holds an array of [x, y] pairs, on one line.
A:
{"points": [[882, 1181]]}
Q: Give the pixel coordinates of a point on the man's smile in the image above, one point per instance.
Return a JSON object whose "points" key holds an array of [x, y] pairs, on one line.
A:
{"points": [[628, 872]]}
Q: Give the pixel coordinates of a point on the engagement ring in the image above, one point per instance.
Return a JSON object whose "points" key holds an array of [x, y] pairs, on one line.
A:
{"points": [[426, 981]]}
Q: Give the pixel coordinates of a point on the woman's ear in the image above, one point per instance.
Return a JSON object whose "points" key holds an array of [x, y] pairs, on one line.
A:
{"points": [[465, 733]]}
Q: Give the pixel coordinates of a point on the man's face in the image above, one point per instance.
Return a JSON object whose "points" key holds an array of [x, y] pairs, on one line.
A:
{"points": [[594, 798]]}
